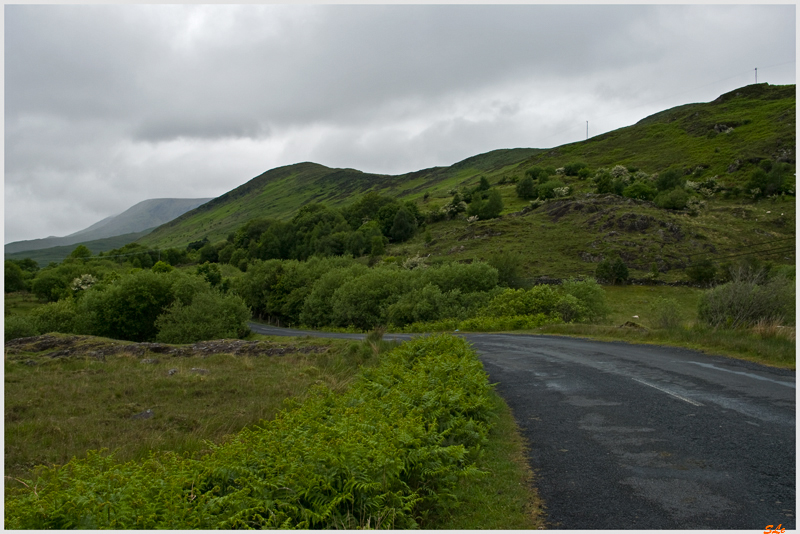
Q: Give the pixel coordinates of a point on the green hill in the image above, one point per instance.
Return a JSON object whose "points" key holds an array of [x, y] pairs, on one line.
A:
{"points": [[721, 142], [278, 193]]}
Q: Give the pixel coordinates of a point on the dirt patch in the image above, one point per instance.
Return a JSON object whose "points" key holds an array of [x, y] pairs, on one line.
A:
{"points": [[88, 346]]}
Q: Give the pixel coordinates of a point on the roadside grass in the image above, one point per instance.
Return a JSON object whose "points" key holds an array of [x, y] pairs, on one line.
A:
{"points": [[505, 498], [777, 350], [57, 408], [60, 407]]}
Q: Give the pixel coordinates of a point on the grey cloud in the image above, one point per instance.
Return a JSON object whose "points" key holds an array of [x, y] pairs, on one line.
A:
{"points": [[110, 104]]}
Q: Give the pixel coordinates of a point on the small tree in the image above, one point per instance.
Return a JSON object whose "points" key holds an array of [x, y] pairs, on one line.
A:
{"points": [[404, 225], [702, 272], [612, 271], [81, 252], [526, 188]]}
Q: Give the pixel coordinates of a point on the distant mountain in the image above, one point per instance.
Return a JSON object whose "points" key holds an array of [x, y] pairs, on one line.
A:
{"points": [[45, 256], [143, 216]]}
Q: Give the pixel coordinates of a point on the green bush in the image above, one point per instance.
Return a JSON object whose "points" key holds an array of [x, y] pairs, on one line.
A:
{"points": [[509, 268], [526, 188], [547, 189], [669, 180], [14, 277], [675, 199], [17, 326], [362, 301], [128, 308], [211, 315], [591, 296], [573, 168], [538, 299], [702, 272], [51, 285], [745, 301], [64, 316], [613, 271], [381, 455], [486, 209], [640, 190]]}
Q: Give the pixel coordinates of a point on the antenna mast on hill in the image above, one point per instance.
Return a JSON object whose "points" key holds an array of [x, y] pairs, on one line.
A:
{"points": [[756, 74], [587, 130]]}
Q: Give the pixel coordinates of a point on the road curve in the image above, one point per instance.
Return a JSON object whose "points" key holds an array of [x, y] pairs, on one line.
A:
{"points": [[629, 436]]}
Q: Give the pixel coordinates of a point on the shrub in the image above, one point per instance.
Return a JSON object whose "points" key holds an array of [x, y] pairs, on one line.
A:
{"points": [[486, 209], [538, 299], [670, 179], [591, 296], [466, 277], [640, 190], [14, 278], [362, 301], [318, 305], [572, 169], [702, 271], [548, 189], [538, 174], [612, 271], [744, 302], [50, 286], [63, 316], [17, 326], [672, 200], [509, 268], [526, 188], [404, 225], [128, 308], [211, 315]]}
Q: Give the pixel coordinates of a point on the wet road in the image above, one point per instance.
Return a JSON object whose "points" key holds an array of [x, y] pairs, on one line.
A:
{"points": [[646, 437]]}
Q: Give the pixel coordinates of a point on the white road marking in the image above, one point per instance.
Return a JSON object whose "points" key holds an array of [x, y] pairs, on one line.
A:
{"points": [[668, 392], [751, 375]]}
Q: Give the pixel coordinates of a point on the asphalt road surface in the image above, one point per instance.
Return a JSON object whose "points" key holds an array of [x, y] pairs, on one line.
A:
{"points": [[629, 436]]}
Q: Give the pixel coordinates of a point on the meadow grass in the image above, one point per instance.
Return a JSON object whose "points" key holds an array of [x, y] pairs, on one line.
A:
{"points": [[57, 408]]}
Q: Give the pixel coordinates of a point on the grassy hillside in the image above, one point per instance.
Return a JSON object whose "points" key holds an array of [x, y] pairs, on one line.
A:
{"points": [[724, 140], [280, 192]]}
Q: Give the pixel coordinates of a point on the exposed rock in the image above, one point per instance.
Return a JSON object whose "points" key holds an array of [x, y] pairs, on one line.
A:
{"points": [[172, 372], [150, 360], [147, 414], [199, 371]]}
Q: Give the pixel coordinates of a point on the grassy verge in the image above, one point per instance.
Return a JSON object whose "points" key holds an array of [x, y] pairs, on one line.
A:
{"points": [[57, 407], [776, 348], [68, 395], [505, 498]]}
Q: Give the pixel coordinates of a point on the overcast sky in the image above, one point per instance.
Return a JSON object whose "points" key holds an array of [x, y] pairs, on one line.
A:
{"points": [[106, 106]]}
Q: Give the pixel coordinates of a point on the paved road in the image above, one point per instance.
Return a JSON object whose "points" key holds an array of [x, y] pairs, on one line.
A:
{"points": [[636, 436]]}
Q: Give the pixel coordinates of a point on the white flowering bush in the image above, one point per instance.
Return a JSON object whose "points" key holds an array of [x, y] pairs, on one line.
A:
{"points": [[619, 171], [693, 186], [694, 205], [83, 282], [561, 191], [560, 171], [472, 219], [415, 262]]}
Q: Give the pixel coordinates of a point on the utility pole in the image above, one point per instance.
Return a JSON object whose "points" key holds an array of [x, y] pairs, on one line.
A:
{"points": [[587, 130], [756, 74]]}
